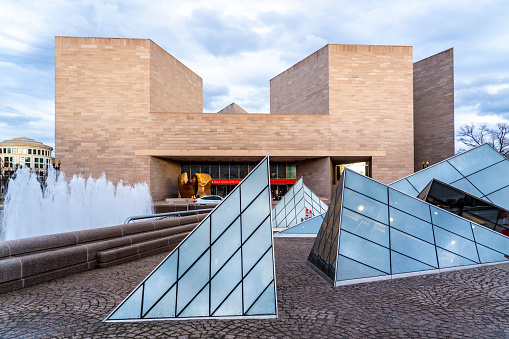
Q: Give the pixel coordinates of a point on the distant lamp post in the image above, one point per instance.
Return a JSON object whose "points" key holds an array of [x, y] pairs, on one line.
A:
{"points": [[57, 165]]}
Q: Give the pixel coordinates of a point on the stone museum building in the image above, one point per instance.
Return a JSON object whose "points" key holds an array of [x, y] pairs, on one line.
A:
{"points": [[128, 108]]}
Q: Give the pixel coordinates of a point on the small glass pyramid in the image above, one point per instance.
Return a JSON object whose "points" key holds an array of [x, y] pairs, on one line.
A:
{"points": [[481, 171], [376, 232], [223, 268], [298, 204], [308, 228]]}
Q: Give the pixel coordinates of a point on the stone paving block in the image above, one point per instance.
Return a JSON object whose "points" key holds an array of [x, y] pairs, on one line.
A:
{"points": [[178, 230], [58, 273], [29, 245], [10, 286], [10, 269], [93, 248], [137, 227], [115, 254], [98, 234], [4, 249], [190, 219], [165, 223], [36, 263]]}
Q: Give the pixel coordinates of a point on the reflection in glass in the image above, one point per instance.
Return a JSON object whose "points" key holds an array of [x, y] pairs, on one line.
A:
{"points": [[492, 178], [358, 249], [456, 244], [366, 186], [350, 269], [475, 159], [442, 171], [411, 225], [451, 223], [413, 247], [404, 185], [365, 227], [409, 205], [447, 259], [365, 206], [404, 264]]}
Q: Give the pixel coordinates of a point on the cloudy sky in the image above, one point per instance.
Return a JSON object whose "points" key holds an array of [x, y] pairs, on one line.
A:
{"points": [[238, 46]]}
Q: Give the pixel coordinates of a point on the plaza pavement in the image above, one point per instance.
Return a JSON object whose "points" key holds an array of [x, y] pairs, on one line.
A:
{"points": [[459, 304]]}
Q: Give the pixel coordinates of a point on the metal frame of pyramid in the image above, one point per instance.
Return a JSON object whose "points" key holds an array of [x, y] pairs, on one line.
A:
{"points": [[481, 171], [298, 204], [375, 232], [224, 269]]}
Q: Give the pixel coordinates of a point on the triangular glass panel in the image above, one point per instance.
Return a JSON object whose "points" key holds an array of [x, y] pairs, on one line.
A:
{"points": [[309, 227], [298, 205], [232, 305], [264, 303], [403, 264], [370, 233], [479, 171], [223, 268]]}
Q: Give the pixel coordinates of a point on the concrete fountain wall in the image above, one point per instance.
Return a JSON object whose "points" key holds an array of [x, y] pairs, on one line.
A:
{"points": [[30, 261]]}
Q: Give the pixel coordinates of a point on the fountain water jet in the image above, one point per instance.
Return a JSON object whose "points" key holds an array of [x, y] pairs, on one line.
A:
{"points": [[62, 206]]}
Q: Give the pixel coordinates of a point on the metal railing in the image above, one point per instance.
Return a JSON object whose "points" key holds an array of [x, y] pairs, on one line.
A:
{"points": [[166, 215]]}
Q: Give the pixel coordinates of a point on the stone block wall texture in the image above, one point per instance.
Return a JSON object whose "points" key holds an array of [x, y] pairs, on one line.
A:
{"points": [[110, 95], [434, 108], [317, 175], [303, 88], [173, 86], [366, 91]]}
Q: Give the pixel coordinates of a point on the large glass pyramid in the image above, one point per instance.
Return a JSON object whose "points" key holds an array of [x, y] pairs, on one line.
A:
{"points": [[307, 228], [481, 171], [376, 232], [223, 268], [298, 204]]}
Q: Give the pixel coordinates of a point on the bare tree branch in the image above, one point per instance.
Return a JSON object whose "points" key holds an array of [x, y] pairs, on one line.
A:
{"points": [[498, 138]]}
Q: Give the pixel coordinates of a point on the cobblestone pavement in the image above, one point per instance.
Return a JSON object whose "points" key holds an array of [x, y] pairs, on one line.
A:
{"points": [[459, 304]]}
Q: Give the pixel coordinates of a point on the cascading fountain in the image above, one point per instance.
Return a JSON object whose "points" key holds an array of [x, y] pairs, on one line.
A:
{"points": [[61, 206]]}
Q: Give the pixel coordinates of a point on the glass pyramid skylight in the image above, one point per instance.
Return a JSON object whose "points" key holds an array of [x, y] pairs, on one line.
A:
{"points": [[307, 228], [481, 171], [374, 231], [298, 204], [223, 268]]}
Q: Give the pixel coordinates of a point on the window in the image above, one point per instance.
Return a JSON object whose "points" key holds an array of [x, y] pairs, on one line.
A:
{"points": [[281, 170], [34, 151], [224, 170], [29, 151], [195, 169], [291, 172], [24, 151], [234, 171], [214, 170], [13, 151], [0, 150], [36, 159], [9, 150], [273, 170], [38, 152], [19, 150], [41, 160], [243, 170]]}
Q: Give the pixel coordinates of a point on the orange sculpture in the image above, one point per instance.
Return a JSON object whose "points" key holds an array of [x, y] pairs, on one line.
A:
{"points": [[187, 188], [204, 184], [199, 185]]}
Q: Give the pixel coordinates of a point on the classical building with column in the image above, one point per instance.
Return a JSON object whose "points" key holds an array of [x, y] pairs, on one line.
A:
{"points": [[128, 108]]}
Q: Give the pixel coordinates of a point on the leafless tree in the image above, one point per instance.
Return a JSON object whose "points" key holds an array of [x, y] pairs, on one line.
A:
{"points": [[498, 137]]}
